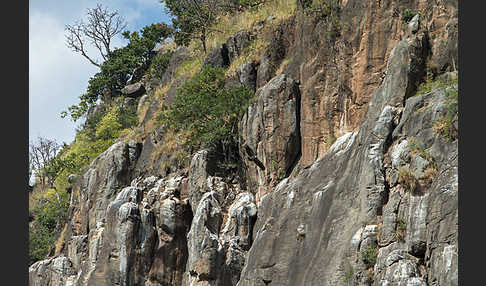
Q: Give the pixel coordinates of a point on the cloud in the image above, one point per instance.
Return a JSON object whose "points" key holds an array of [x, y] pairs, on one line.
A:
{"points": [[57, 77]]}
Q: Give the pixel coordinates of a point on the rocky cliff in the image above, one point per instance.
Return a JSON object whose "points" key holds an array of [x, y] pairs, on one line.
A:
{"points": [[345, 176]]}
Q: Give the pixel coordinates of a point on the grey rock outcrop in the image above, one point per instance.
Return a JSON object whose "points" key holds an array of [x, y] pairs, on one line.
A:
{"points": [[201, 171], [270, 134], [134, 90], [353, 187], [52, 271], [413, 25], [216, 253], [308, 211], [179, 56], [245, 76], [217, 57], [236, 43]]}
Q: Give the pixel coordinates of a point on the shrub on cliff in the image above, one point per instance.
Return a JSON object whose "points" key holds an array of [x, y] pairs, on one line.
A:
{"points": [[206, 110], [49, 214]]}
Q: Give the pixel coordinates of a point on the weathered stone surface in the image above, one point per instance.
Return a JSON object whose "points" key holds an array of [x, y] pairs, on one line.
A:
{"points": [[350, 187], [205, 257], [217, 57], [414, 24], [390, 218], [216, 253], [133, 90], [340, 198], [203, 167], [270, 134], [52, 271], [236, 43], [178, 57]]}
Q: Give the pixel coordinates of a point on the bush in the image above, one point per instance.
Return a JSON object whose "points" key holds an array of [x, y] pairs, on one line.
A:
{"points": [[407, 179], [40, 242], [368, 255], [159, 64], [418, 147], [431, 85], [407, 15], [207, 111], [400, 230], [49, 214], [444, 126]]}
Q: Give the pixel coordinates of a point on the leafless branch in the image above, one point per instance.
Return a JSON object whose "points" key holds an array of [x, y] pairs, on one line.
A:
{"points": [[102, 25]]}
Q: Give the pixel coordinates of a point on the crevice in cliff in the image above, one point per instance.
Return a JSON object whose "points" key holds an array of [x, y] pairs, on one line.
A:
{"points": [[298, 135]]}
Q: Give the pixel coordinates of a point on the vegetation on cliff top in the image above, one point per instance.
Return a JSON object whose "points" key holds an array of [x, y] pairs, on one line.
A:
{"points": [[206, 110]]}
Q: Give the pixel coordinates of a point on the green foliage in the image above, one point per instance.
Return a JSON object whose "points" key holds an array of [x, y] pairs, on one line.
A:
{"points": [[159, 64], [407, 178], [417, 147], [444, 125], [192, 19], [349, 274], [119, 67], [435, 84], [368, 255], [250, 3], [48, 214], [40, 242], [407, 15], [97, 136], [208, 111], [400, 229]]}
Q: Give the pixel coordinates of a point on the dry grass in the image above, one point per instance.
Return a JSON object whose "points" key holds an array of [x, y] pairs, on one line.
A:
{"points": [[407, 179], [191, 66], [60, 242], [228, 24], [173, 147], [251, 53]]}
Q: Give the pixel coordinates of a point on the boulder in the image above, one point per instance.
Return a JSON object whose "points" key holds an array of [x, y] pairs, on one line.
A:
{"points": [[134, 90], [178, 57], [205, 257], [203, 167]]}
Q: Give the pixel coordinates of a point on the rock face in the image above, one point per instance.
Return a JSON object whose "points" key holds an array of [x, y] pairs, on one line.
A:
{"points": [[344, 179], [216, 254], [236, 43], [270, 134], [217, 57], [52, 271], [322, 210]]}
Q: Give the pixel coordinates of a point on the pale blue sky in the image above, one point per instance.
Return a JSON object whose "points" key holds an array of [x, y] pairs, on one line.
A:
{"points": [[58, 76]]}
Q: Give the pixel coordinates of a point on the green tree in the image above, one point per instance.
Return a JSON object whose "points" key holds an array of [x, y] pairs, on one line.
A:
{"points": [[207, 110], [192, 19]]}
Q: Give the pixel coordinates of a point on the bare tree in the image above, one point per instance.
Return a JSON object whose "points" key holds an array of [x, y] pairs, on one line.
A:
{"points": [[100, 29], [41, 154]]}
